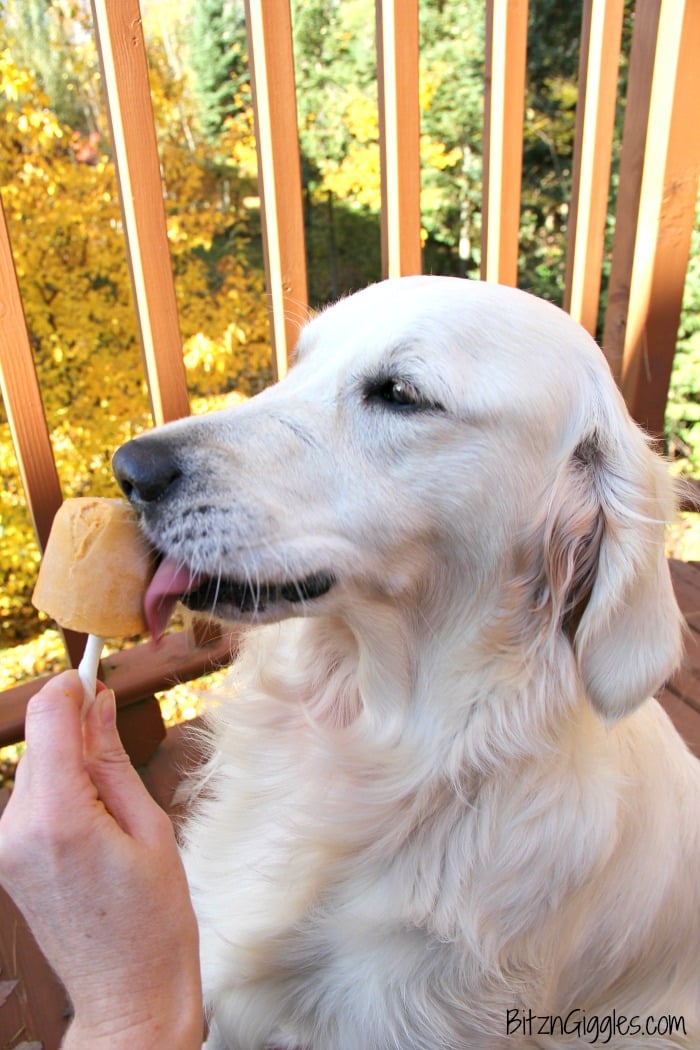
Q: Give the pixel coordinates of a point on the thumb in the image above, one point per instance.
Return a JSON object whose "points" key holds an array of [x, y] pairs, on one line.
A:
{"points": [[118, 784]]}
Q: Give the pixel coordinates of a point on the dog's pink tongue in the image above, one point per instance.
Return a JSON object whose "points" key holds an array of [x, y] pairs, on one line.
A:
{"points": [[170, 582]]}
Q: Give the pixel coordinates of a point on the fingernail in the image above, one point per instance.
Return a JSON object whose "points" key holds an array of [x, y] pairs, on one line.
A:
{"points": [[107, 709]]}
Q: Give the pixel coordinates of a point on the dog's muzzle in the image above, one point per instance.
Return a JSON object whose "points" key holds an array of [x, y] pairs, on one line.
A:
{"points": [[148, 471]]}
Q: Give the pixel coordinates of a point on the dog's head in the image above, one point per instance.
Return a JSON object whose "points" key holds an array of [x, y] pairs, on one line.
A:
{"points": [[438, 443]]}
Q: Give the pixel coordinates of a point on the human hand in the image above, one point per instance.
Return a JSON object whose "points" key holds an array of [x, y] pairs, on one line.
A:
{"points": [[91, 861]]}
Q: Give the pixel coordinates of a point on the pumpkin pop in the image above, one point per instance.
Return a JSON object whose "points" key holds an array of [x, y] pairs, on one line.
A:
{"points": [[94, 574]]}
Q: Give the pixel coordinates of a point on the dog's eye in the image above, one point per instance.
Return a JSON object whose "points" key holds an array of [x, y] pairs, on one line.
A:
{"points": [[400, 394], [396, 392]]}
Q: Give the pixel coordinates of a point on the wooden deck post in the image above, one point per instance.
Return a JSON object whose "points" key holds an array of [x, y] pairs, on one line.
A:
{"points": [[279, 172], [125, 80], [659, 168], [595, 118], [399, 121], [504, 111], [25, 412]]}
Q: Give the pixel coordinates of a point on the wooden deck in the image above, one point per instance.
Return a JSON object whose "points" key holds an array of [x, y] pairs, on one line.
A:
{"points": [[33, 1006], [681, 697]]}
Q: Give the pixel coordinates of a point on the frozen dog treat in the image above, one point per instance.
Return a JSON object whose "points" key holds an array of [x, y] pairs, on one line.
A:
{"points": [[95, 569], [94, 574]]}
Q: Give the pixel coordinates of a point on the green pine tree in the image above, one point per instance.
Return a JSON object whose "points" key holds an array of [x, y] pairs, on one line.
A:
{"points": [[219, 61]]}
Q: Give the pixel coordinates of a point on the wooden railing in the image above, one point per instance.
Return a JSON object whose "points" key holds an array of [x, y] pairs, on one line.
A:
{"points": [[659, 162]]}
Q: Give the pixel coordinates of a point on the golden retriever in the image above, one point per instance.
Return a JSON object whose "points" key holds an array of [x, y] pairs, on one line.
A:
{"points": [[441, 810]]}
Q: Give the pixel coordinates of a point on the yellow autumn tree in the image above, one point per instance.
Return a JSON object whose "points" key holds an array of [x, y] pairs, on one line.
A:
{"points": [[357, 175], [60, 197]]}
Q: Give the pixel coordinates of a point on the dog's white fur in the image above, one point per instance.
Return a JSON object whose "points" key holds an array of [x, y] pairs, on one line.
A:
{"points": [[442, 793]]}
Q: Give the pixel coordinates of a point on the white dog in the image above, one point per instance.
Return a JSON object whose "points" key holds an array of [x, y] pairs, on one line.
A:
{"points": [[441, 810]]}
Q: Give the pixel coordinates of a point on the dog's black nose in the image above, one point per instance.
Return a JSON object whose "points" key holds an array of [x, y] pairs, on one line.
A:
{"points": [[145, 468]]}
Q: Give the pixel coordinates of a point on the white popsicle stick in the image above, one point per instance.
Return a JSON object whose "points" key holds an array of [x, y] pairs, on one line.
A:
{"points": [[89, 665]]}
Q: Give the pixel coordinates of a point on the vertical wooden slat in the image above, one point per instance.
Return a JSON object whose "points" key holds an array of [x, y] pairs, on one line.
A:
{"points": [[399, 121], [122, 52], [22, 398], [504, 111], [279, 171], [658, 275], [595, 117], [641, 68], [25, 412], [660, 163]]}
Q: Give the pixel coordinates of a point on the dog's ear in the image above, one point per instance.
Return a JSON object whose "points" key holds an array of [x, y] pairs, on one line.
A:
{"points": [[607, 576]]}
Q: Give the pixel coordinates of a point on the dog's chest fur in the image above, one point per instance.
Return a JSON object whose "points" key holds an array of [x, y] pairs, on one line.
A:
{"points": [[347, 889]]}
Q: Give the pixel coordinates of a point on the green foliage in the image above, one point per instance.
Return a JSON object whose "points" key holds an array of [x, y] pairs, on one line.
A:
{"points": [[451, 98], [335, 67], [339, 135], [218, 60], [550, 117]]}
